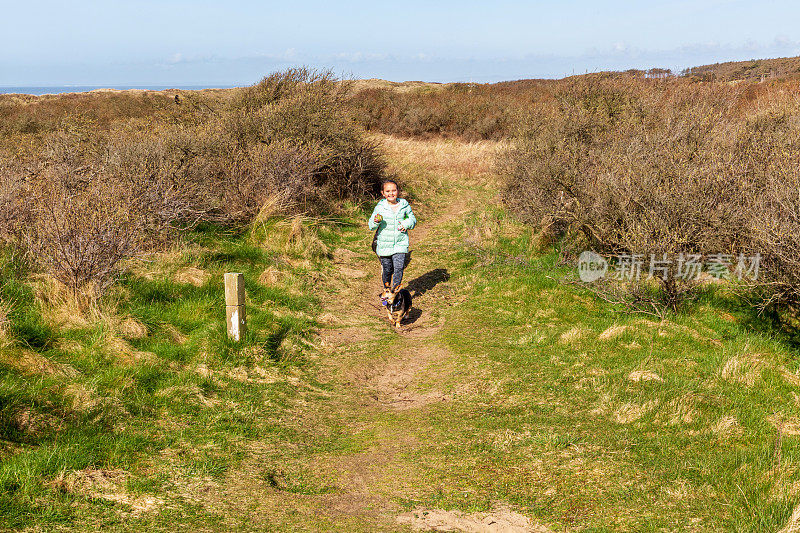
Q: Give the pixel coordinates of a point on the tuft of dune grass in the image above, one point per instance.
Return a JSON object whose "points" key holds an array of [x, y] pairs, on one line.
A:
{"points": [[743, 368], [192, 275], [573, 336], [31, 363], [727, 427], [612, 332]]}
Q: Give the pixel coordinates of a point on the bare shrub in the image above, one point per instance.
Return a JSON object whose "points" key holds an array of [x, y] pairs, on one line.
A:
{"points": [[83, 226], [769, 151], [167, 182], [293, 133], [102, 184], [636, 169], [14, 212], [266, 171], [468, 111]]}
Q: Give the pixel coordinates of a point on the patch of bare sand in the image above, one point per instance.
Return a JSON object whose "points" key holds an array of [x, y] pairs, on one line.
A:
{"points": [[351, 272], [498, 521], [392, 383], [348, 335], [345, 256]]}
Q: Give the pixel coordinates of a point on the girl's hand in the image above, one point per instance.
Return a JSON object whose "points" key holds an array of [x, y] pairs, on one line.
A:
{"points": [[377, 218], [401, 228]]}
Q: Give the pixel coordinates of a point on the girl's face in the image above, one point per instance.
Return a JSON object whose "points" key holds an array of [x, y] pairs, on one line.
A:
{"points": [[390, 192]]}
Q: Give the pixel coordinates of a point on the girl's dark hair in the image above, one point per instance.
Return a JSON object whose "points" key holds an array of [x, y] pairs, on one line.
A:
{"points": [[384, 182]]}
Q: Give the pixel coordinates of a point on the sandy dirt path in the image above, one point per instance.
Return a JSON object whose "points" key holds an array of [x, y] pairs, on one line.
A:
{"points": [[385, 381]]}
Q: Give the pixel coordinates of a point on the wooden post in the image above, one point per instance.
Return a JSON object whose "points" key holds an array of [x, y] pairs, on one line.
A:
{"points": [[234, 305]]}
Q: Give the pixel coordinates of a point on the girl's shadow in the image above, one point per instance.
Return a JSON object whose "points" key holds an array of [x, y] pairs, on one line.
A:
{"points": [[422, 284]]}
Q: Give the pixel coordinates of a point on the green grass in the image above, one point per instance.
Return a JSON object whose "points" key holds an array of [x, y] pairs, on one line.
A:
{"points": [[180, 413], [563, 433], [541, 412]]}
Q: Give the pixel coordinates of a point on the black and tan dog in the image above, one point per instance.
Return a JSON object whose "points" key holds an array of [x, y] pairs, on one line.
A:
{"points": [[397, 302]]}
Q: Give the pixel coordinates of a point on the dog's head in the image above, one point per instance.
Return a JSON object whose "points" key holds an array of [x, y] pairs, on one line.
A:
{"points": [[389, 295]]}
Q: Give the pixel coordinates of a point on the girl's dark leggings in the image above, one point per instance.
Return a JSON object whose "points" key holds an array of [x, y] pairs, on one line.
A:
{"points": [[392, 265]]}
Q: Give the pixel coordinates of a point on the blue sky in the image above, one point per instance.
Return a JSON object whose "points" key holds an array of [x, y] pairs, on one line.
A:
{"points": [[238, 41]]}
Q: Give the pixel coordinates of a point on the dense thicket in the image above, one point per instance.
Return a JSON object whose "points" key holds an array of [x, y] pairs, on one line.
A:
{"points": [[467, 111], [85, 188], [666, 167]]}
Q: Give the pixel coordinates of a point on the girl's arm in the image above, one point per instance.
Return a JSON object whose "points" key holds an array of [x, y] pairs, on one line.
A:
{"points": [[371, 222], [410, 220]]}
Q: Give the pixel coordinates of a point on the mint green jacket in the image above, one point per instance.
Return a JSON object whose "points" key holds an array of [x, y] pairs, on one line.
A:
{"points": [[390, 239]]}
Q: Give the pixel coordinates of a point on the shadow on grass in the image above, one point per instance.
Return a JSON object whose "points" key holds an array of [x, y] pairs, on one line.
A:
{"points": [[776, 323], [422, 284], [412, 316]]}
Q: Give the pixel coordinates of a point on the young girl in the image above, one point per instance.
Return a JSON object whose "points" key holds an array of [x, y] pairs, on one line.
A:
{"points": [[393, 218]]}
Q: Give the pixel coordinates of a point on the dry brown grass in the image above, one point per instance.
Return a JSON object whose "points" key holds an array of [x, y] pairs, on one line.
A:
{"points": [[727, 427], [192, 275], [62, 307], [5, 310], [108, 485], [292, 236], [33, 364], [743, 368], [130, 328], [270, 276], [401, 87], [470, 159]]}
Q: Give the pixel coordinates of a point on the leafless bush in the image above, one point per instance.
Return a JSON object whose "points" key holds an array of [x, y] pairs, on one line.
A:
{"points": [[291, 133], [263, 172], [635, 168], [102, 184], [14, 210], [469, 111], [83, 226], [166, 180], [769, 148]]}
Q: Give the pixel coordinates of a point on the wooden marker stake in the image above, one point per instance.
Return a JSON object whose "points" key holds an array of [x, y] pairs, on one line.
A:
{"points": [[234, 305]]}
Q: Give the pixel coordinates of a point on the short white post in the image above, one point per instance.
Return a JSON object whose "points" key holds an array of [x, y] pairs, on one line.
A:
{"points": [[234, 305]]}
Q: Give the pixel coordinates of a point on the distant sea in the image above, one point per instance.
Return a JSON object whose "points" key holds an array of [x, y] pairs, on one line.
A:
{"points": [[85, 88]]}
